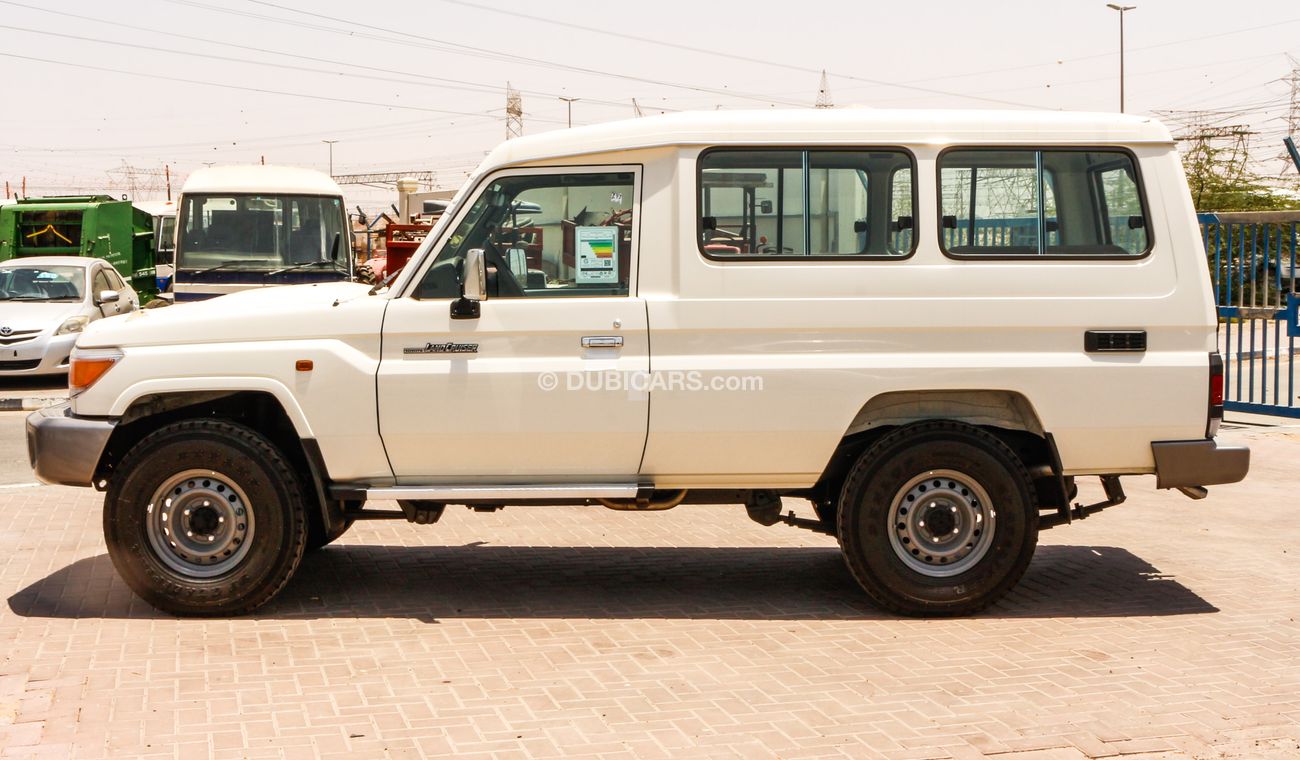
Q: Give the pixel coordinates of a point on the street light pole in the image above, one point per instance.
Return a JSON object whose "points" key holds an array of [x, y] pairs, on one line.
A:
{"points": [[1121, 9], [570, 101], [331, 144]]}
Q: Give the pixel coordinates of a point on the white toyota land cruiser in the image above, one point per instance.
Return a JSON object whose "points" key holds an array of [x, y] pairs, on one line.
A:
{"points": [[928, 324]]}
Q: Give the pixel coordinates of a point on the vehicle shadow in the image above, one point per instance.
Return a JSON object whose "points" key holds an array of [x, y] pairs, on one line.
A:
{"points": [[478, 581]]}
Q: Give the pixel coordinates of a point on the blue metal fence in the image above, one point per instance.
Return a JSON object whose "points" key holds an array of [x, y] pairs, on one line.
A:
{"points": [[1252, 259]]}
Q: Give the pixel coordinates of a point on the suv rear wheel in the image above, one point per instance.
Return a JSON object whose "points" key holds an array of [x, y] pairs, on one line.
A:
{"points": [[205, 517], [938, 518]]}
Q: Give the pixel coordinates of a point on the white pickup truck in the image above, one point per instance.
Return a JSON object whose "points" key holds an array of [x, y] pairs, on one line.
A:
{"points": [[928, 324]]}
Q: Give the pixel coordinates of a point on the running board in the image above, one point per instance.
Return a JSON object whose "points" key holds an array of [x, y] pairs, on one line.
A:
{"points": [[461, 494]]}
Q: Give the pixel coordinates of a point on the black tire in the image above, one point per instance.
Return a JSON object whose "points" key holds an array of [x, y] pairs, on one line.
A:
{"points": [[882, 523], [212, 470]]}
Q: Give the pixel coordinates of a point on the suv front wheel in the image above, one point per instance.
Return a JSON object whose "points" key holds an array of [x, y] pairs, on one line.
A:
{"points": [[205, 517], [938, 518]]}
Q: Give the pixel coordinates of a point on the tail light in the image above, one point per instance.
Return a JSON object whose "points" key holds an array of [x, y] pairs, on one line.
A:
{"points": [[1216, 395]]}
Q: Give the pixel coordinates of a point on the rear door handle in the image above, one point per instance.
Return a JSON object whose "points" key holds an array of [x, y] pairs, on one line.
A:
{"points": [[602, 341]]}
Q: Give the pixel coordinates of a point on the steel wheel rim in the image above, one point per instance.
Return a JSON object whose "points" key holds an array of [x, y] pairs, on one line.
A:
{"points": [[941, 523], [199, 523]]}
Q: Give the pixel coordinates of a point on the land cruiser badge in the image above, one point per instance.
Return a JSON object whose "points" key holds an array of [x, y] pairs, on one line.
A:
{"points": [[443, 348]]}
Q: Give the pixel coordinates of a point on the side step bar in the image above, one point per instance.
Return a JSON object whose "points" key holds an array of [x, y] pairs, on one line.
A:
{"points": [[463, 494]]}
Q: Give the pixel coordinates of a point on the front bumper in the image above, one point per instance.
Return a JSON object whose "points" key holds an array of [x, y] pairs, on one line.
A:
{"points": [[64, 449], [45, 354], [1202, 462]]}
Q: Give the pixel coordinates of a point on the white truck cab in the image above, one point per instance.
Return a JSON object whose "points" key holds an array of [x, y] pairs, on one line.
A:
{"points": [[929, 324]]}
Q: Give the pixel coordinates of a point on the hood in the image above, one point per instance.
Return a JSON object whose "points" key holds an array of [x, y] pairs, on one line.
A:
{"points": [[37, 315], [325, 310]]}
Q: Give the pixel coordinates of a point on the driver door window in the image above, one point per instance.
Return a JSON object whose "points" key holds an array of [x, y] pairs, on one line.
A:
{"points": [[547, 235]]}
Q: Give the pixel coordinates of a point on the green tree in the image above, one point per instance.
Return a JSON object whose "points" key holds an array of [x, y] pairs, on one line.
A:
{"points": [[1220, 180]]}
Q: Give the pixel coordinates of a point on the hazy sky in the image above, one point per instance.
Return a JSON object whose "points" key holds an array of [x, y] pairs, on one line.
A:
{"points": [[405, 86]]}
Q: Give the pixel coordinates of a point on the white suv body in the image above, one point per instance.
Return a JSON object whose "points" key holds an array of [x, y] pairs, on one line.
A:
{"points": [[714, 307]]}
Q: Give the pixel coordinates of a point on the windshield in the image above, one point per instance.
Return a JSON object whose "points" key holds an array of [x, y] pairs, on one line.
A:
{"points": [[265, 232], [36, 283]]}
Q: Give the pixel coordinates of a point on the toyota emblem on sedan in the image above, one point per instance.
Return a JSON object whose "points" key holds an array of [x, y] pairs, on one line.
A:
{"points": [[6, 331]]}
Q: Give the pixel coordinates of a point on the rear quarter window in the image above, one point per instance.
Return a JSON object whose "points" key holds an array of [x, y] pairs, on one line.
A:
{"points": [[1057, 203]]}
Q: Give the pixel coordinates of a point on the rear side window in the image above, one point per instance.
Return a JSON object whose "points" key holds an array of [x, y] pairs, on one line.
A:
{"points": [[756, 204], [1041, 203]]}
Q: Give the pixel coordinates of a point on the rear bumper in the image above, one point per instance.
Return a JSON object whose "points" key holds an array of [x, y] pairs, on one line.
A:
{"points": [[64, 449], [1200, 462]]}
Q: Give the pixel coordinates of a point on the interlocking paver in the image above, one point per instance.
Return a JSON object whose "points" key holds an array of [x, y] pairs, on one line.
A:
{"points": [[1164, 628]]}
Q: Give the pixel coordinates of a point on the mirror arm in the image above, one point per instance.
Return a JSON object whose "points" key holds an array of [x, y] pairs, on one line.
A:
{"points": [[464, 308]]}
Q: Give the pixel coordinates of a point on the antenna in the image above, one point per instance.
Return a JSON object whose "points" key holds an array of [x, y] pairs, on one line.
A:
{"points": [[824, 93], [514, 113], [637, 108]]}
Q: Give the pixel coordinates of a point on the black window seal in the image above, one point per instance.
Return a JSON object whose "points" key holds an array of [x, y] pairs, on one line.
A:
{"points": [[794, 257], [1023, 257]]}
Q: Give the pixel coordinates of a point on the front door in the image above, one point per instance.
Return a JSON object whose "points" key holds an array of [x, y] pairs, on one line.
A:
{"points": [[542, 385]]}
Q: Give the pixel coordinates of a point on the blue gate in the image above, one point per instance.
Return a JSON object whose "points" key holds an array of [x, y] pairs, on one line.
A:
{"points": [[1252, 257]]}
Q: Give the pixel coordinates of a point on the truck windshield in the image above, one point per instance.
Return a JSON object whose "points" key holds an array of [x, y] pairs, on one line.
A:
{"points": [[261, 232]]}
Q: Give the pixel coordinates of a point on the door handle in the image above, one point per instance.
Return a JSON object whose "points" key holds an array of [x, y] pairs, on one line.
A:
{"points": [[602, 341]]}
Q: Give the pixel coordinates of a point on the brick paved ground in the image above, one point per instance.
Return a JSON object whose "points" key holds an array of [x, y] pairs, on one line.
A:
{"points": [[1164, 628]]}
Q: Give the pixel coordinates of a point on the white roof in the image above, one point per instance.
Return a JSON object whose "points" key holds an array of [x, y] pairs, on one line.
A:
{"points": [[51, 261], [833, 126], [257, 178], [156, 208]]}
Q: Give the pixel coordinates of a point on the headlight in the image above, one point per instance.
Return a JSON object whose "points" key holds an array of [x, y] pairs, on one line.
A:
{"points": [[73, 324]]}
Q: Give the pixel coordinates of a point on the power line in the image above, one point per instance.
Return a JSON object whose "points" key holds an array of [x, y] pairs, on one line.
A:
{"points": [[469, 50], [450, 83], [707, 51], [1107, 54], [247, 89]]}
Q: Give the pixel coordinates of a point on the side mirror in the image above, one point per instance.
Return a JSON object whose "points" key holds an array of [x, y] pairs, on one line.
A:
{"points": [[473, 286], [108, 296]]}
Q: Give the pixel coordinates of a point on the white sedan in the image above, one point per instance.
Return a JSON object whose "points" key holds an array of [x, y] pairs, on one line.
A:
{"points": [[46, 301]]}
